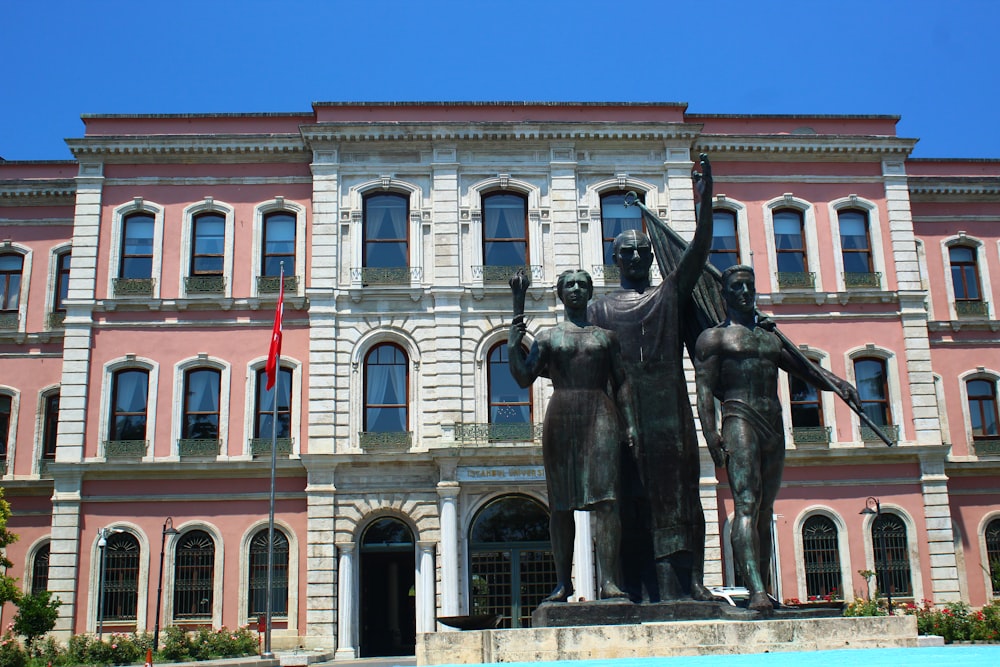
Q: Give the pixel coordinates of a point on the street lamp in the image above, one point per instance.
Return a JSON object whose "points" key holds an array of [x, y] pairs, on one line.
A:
{"points": [[168, 529], [874, 507], [102, 543]]}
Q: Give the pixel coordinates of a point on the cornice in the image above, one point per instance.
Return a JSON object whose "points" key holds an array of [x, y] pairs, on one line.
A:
{"points": [[499, 131], [802, 146], [929, 188], [222, 148], [37, 192]]}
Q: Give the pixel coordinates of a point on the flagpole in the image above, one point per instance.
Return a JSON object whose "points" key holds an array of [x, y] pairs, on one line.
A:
{"points": [[267, 654]]}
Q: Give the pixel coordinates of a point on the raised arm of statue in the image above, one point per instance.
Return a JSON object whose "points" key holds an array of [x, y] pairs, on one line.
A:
{"points": [[693, 260]]}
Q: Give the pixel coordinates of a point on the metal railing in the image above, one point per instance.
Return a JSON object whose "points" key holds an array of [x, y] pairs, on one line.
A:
{"points": [[501, 274], [972, 308], [987, 447], [811, 435], [873, 280], [796, 279], [134, 286], [272, 284], [262, 446], [475, 433], [386, 441], [868, 435], [198, 447], [114, 449], [205, 284], [386, 275]]}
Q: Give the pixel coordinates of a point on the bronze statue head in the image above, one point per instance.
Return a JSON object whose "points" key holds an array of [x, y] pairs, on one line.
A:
{"points": [[633, 254]]}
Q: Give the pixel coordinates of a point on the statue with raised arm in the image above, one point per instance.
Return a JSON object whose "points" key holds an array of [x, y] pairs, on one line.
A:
{"points": [[664, 524], [584, 428], [737, 363]]}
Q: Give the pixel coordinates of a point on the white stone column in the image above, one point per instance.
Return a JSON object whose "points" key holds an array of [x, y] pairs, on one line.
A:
{"points": [[321, 560], [448, 492], [584, 573], [426, 599], [940, 536], [347, 604]]}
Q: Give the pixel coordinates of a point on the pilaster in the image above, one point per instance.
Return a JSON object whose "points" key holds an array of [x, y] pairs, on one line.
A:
{"points": [[322, 574], [563, 197], [64, 549], [940, 536]]}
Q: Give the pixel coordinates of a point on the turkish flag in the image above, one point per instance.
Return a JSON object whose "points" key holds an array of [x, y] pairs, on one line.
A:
{"points": [[274, 352]]}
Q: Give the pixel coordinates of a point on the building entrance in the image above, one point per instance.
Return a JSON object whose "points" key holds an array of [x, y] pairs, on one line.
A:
{"points": [[387, 600], [511, 567]]}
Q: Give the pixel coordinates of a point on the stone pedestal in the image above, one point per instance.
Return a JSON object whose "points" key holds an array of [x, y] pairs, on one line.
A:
{"points": [[664, 639]]}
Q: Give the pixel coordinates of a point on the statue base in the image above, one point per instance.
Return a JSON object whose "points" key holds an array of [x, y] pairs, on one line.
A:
{"points": [[615, 612], [664, 639]]}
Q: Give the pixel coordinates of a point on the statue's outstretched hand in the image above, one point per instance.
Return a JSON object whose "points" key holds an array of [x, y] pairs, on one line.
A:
{"points": [[716, 449], [703, 183]]}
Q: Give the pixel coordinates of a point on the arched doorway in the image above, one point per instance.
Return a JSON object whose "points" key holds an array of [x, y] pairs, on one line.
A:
{"points": [[511, 568], [387, 573]]}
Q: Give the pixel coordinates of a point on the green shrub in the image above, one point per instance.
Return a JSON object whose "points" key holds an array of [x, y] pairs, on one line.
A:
{"points": [[957, 621], [11, 652], [207, 644]]}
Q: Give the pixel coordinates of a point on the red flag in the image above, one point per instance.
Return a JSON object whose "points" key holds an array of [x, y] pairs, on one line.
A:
{"points": [[274, 352]]}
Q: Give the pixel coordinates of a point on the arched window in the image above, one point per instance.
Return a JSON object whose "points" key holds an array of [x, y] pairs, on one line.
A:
{"points": [[615, 219], [992, 537], [982, 396], [208, 245], [871, 380], [40, 569], [790, 248], [50, 426], [892, 555], [201, 404], [510, 404], [505, 232], [257, 585], [386, 238], [511, 568], [11, 267], [856, 247], [129, 396], [137, 246], [725, 239], [821, 553], [121, 577], [386, 390], [194, 576], [278, 244]]}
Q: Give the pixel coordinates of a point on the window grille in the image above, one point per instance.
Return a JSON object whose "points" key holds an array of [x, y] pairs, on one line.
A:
{"points": [[121, 578], [194, 576], [821, 553], [892, 555], [40, 570], [257, 586]]}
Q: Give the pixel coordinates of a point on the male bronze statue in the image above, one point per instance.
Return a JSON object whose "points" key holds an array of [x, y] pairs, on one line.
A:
{"points": [[664, 545], [737, 363], [584, 429]]}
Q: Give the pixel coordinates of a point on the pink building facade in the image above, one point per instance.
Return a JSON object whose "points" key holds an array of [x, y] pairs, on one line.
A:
{"points": [[138, 284]]}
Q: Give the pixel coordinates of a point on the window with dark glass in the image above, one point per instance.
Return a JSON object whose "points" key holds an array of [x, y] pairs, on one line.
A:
{"points": [[50, 427], [385, 231], [279, 244], [505, 225], [789, 241], [40, 569], [128, 404], [821, 553], [982, 395], [855, 241], [257, 584], [121, 577], [615, 219], [725, 240], [5, 408], [264, 409], [201, 404], [992, 536], [137, 246], [11, 266], [965, 273], [208, 244], [870, 379], [892, 555], [386, 389], [194, 576], [509, 403], [807, 410], [62, 282]]}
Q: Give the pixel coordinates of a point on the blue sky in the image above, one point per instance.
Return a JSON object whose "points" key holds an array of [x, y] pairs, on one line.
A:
{"points": [[935, 63]]}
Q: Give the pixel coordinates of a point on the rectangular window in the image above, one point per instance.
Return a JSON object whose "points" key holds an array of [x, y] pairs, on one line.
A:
{"points": [[5, 407], [62, 282], [789, 243], [965, 273], [137, 247], [50, 429], [855, 242], [208, 245], [385, 231], [264, 411], [807, 411], [279, 244], [11, 266], [870, 379], [725, 242], [128, 405], [615, 219], [982, 408], [201, 404], [505, 223]]}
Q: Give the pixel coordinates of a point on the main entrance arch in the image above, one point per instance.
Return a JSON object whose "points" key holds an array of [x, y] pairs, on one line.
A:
{"points": [[387, 577], [511, 568]]}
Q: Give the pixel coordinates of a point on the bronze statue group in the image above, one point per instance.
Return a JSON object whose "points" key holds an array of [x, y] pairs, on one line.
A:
{"points": [[619, 437]]}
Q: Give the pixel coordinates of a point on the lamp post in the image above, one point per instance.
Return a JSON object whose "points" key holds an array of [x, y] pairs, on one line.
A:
{"points": [[168, 529], [874, 507], [102, 543]]}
